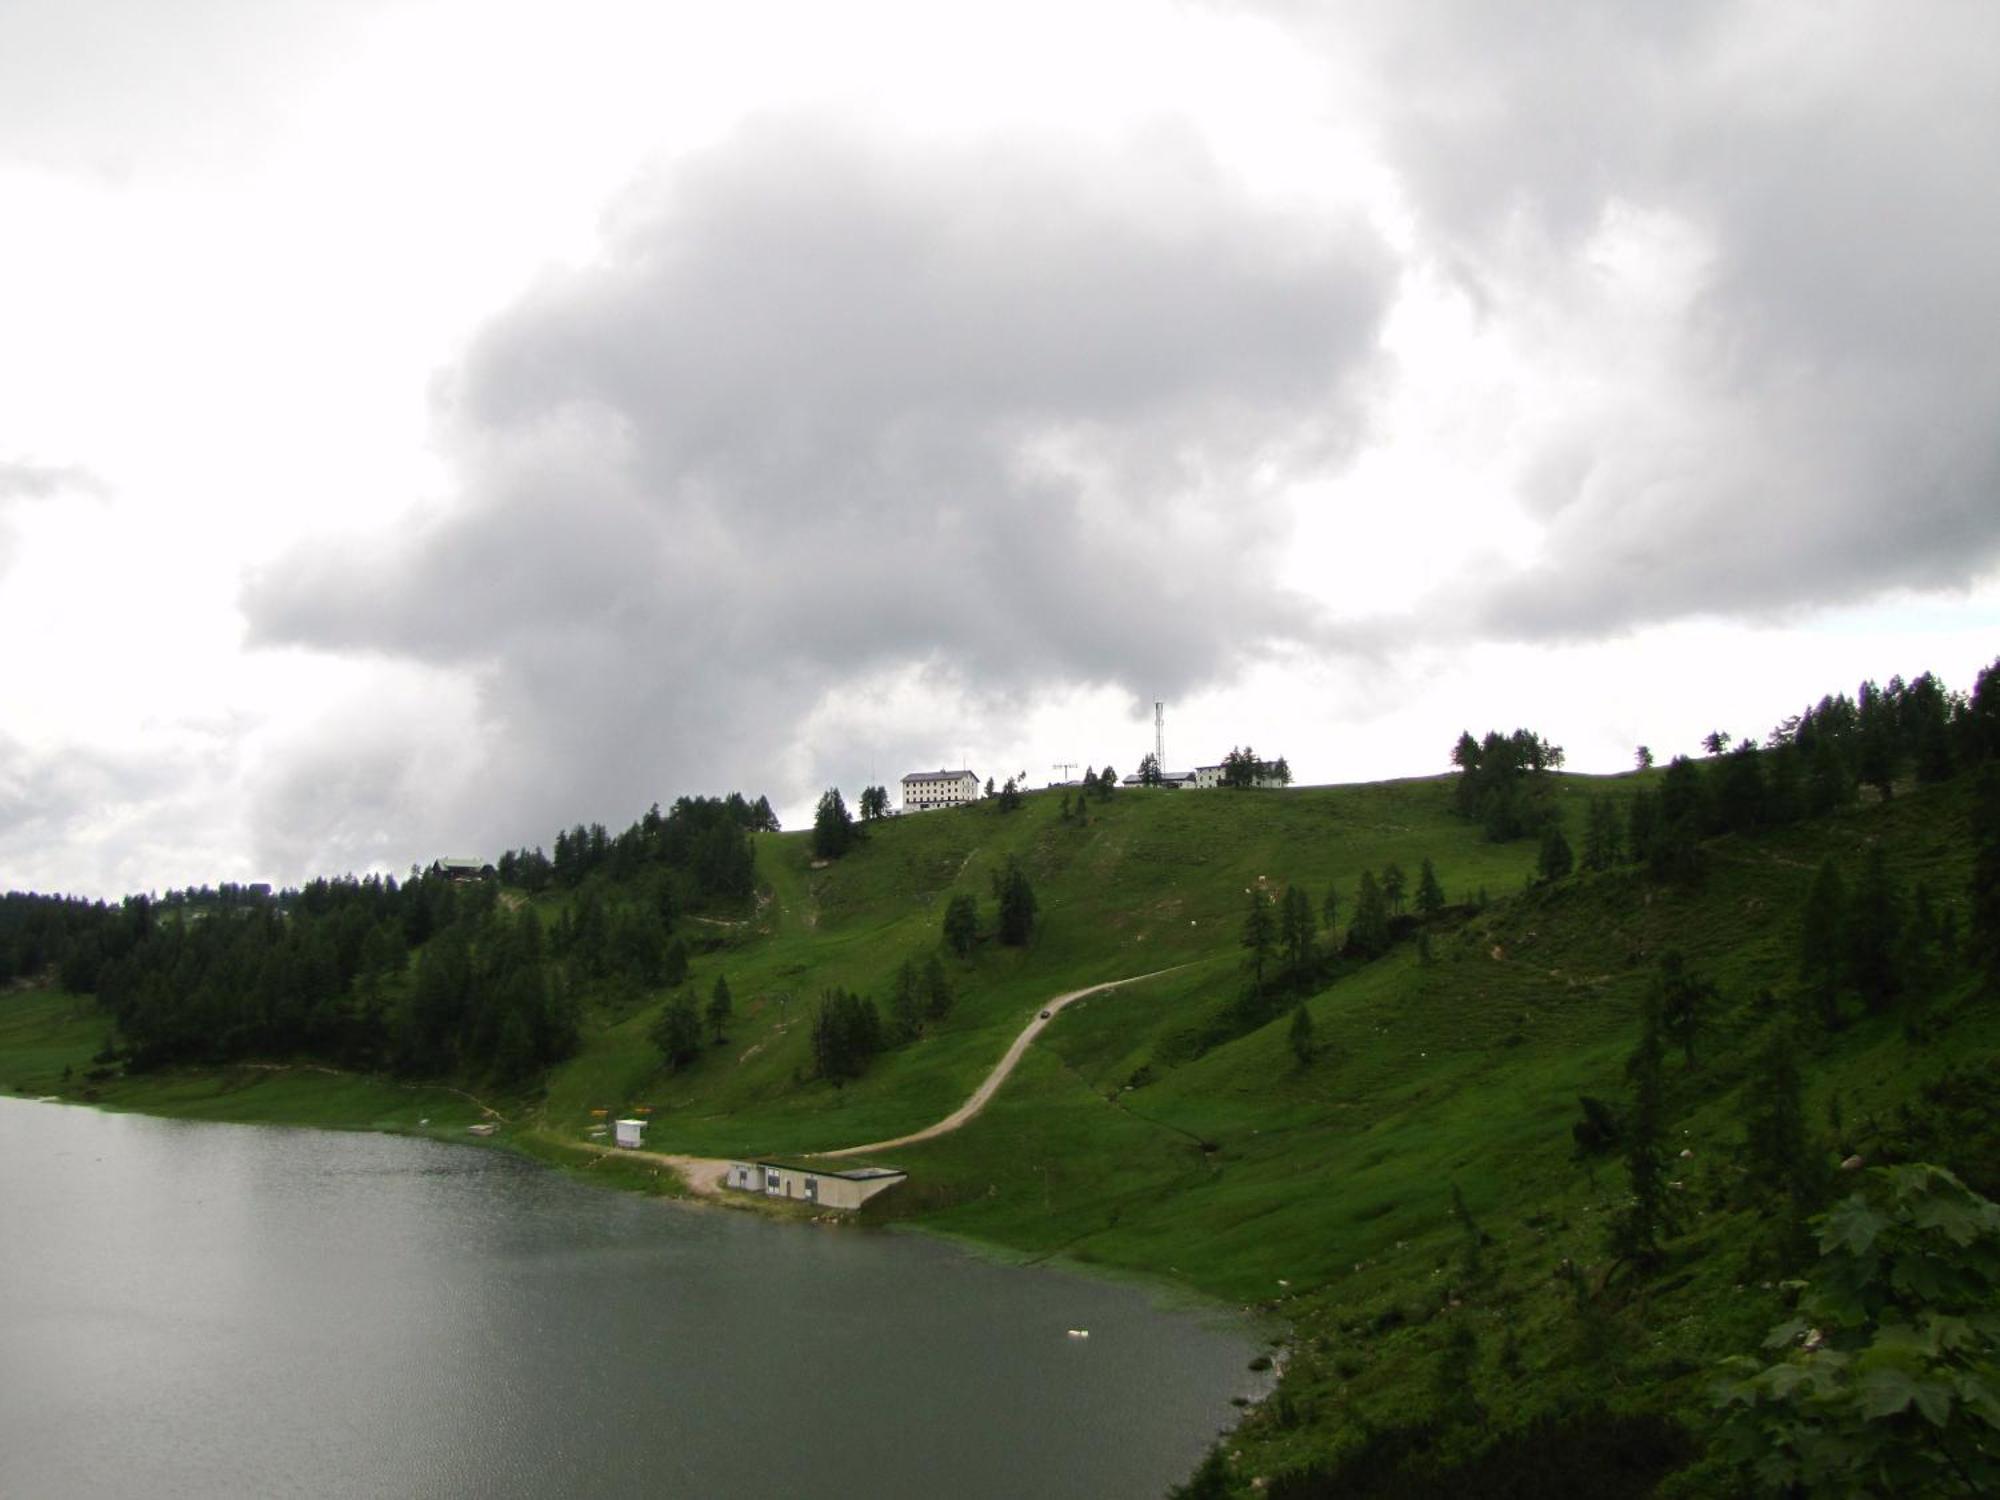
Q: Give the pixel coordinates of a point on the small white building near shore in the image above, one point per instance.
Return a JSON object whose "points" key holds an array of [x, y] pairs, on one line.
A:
{"points": [[631, 1134], [846, 1189]]}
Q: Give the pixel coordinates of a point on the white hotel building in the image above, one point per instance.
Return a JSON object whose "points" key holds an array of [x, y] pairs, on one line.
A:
{"points": [[924, 790]]}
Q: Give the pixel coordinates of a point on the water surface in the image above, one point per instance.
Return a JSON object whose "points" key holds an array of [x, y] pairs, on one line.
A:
{"points": [[220, 1310]]}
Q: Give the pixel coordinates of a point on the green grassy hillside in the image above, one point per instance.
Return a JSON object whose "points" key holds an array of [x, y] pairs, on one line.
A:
{"points": [[1151, 881], [1138, 1136], [1323, 1192]]}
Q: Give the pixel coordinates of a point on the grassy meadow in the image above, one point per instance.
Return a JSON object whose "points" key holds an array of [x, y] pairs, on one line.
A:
{"points": [[1320, 1192]]}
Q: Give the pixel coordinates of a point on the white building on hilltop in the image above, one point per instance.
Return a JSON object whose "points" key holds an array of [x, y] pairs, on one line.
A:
{"points": [[924, 790]]}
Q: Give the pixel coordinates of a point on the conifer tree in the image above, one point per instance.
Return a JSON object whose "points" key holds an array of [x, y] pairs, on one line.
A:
{"points": [[1642, 826], [677, 1032], [961, 924], [1295, 935], [1983, 935], [937, 989], [906, 1003], [1874, 927], [674, 964], [1637, 1231], [1430, 895], [1393, 883], [1602, 843], [1257, 936], [1822, 929], [1017, 905], [721, 1008], [1555, 861], [1368, 932], [833, 826], [1684, 997], [1301, 1036], [1784, 1169]]}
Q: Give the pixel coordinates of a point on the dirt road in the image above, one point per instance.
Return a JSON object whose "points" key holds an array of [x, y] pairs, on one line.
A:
{"points": [[704, 1174], [990, 1085]]}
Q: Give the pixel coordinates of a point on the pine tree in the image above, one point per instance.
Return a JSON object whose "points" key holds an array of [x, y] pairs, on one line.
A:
{"points": [[1636, 1233], [961, 924], [1822, 931], [1257, 935], [1602, 842], [1430, 895], [1555, 861], [1393, 883], [1683, 997], [906, 1004], [1368, 933], [1301, 1036], [833, 826], [1784, 1169], [1874, 928], [721, 1008], [1642, 826], [677, 1032], [1017, 906], [1983, 934], [1295, 935], [1917, 963], [937, 989]]}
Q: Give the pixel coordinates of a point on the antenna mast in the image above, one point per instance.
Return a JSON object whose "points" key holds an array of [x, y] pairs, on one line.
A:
{"points": [[1160, 736], [1064, 766]]}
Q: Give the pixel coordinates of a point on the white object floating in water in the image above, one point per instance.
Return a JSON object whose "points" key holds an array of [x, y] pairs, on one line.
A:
{"points": [[1079, 1333]]}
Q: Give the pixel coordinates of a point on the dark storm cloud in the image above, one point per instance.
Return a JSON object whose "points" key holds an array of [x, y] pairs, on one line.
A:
{"points": [[1827, 426], [830, 406]]}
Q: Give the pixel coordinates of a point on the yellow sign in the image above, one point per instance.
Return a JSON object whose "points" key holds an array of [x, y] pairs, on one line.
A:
{"points": [[598, 1114]]}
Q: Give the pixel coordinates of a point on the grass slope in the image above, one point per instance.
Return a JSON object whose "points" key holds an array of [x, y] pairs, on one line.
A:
{"points": [[1321, 1192]]}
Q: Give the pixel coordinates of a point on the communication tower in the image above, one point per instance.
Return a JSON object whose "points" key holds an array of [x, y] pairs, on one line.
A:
{"points": [[1160, 735]]}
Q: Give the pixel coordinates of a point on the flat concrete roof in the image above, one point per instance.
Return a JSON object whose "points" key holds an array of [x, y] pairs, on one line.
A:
{"points": [[852, 1174]]}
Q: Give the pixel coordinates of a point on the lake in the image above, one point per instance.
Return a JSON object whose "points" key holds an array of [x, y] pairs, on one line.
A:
{"points": [[220, 1310]]}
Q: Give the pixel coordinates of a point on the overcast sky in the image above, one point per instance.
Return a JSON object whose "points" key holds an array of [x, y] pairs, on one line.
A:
{"points": [[423, 426]]}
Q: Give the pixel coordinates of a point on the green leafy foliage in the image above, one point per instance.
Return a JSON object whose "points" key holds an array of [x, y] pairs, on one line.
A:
{"points": [[1890, 1379]]}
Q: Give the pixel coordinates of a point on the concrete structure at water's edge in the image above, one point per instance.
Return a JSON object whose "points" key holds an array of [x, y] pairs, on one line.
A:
{"points": [[924, 790], [847, 1189]]}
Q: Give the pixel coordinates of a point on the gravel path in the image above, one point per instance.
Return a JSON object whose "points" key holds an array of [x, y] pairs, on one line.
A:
{"points": [[990, 1085]]}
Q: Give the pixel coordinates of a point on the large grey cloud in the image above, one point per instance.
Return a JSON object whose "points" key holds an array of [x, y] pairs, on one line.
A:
{"points": [[1826, 424], [831, 404]]}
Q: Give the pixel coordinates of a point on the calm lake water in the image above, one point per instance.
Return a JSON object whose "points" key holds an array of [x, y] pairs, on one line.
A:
{"points": [[221, 1310]]}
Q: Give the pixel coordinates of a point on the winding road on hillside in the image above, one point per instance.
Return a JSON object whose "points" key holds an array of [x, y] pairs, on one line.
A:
{"points": [[704, 1174], [990, 1085]]}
